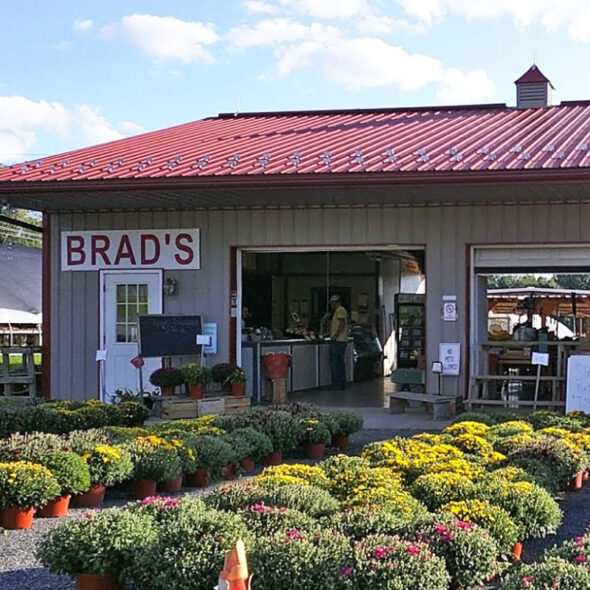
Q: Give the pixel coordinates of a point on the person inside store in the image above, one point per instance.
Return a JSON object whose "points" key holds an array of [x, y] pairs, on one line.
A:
{"points": [[338, 341]]}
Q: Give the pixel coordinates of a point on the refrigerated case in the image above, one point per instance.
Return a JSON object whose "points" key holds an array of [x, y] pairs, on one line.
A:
{"points": [[410, 325]]}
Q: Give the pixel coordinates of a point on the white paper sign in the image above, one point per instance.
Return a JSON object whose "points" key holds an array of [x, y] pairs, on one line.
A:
{"points": [[203, 340], [130, 249], [210, 329], [101, 355], [449, 354], [540, 358], [577, 396]]}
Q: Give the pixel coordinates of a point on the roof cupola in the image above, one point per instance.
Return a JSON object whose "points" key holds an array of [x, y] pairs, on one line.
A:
{"points": [[533, 89]]}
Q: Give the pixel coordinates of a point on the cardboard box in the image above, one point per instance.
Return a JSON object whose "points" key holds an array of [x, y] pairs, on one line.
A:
{"points": [[210, 405], [175, 409], [236, 404]]}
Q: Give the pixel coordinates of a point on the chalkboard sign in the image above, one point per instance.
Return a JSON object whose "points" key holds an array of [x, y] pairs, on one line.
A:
{"points": [[169, 335], [578, 383]]}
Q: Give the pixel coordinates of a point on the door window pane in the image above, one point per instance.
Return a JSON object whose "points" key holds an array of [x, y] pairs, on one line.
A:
{"points": [[131, 301]]}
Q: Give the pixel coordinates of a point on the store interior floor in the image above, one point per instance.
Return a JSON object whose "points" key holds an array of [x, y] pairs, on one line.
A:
{"points": [[358, 394]]}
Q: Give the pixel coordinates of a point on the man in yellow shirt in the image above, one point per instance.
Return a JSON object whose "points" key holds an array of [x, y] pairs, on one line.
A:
{"points": [[338, 341]]}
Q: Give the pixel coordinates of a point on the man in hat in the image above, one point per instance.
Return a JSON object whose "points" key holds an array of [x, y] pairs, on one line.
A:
{"points": [[338, 341]]}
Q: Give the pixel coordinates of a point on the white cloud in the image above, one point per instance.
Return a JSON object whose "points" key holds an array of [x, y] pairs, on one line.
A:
{"points": [[328, 9], [23, 121], [574, 15], [82, 25], [279, 31], [369, 62], [166, 37], [131, 128], [260, 7]]}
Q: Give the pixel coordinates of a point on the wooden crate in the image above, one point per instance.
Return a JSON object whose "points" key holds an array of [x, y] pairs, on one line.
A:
{"points": [[175, 409], [236, 404], [210, 405]]}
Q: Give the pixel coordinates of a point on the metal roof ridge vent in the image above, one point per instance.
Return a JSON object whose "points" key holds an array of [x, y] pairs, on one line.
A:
{"points": [[533, 90]]}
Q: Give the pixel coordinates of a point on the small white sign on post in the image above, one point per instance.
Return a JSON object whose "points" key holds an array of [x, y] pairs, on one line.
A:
{"points": [[449, 306], [449, 354], [540, 358]]}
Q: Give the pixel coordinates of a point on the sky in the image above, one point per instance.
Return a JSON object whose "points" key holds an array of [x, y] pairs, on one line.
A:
{"points": [[75, 73]]}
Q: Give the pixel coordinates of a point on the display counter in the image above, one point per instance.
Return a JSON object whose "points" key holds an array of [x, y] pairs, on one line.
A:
{"points": [[310, 366]]}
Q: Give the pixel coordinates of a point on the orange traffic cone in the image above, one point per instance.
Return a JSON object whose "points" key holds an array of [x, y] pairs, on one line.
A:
{"points": [[235, 570]]}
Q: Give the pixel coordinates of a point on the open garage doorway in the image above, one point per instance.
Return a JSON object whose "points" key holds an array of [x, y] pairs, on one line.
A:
{"points": [[527, 301], [285, 307]]}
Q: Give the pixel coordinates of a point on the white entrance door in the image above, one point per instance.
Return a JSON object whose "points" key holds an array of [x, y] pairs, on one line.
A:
{"points": [[126, 296]]}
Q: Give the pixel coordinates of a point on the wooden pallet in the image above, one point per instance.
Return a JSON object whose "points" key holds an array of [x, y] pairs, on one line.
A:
{"points": [[236, 404], [210, 405], [175, 409]]}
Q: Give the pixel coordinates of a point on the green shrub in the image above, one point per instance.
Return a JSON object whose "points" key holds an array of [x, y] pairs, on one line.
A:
{"points": [[265, 520], [132, 413], [343, 422], [388, 562], [575, 551], [305, 498], [492, 518], [26, 484], [153, 458], [529, 505], [362, 522], [84, 441], [553, 573], [312, 431], [258, 443], [98, 543], [509, 428], [281, 428], [436, 489], [29, 447], [469, 551], [213, 453], [546, 418], [483, 417], [70, 471], [108, 465], [189, 550], [295, 560], [564, 458], [161, 508]]}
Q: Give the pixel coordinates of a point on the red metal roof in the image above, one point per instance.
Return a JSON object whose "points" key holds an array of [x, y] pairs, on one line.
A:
{"points": [[532, 75], [412, 141]]}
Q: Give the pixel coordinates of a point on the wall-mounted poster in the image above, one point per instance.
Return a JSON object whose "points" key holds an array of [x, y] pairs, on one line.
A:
{"points": [[449, 354]]}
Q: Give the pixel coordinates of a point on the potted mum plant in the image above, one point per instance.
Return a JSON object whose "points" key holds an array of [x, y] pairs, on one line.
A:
{"points": [[281, 428], [220, 372], [167, 379], [97, 549], [214, 456], [72, 475], [154, 460], [342, 423], [254, 446], [313, 435], [197, 378], [108, 466], [23, 487], [186, 454], [237, 380]]}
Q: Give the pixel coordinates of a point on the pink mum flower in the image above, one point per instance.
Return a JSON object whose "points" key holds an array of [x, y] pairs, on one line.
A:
{"points": [[581, 558], [379, 552], [413, 550]]}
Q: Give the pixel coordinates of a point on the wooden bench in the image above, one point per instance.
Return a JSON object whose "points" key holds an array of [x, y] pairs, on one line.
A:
{"points": [[443, 406]]}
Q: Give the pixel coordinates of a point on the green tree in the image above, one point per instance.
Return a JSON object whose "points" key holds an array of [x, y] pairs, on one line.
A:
{"points": [[20, 236]]}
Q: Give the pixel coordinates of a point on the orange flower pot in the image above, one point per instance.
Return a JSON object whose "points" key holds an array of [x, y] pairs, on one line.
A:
{"points": [[340, 441], [92, 498], [97, 582], [517, 551], [196, 390], [15, 517], [171, 485], [274, 458], [238, 389], [315, 450], [247, 465], [229, 472], [198, 478], [56, 508], [142, 488]]}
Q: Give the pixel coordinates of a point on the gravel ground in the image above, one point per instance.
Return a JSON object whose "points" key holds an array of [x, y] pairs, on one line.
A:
{"points": [[20, 570]]}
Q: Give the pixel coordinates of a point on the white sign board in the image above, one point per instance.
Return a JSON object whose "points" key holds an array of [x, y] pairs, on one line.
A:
{"points": [[130, 249], [577, 396], [540, 358], [449, 308], [449, 354]]}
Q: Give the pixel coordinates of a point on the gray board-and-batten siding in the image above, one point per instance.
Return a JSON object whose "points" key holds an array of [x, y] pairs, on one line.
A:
{"points": [[445, 231]]}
